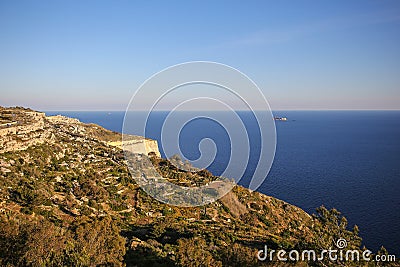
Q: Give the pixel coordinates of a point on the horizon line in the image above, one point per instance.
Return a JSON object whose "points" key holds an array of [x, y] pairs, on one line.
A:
{"points": [[213, 110], [164, 110]]}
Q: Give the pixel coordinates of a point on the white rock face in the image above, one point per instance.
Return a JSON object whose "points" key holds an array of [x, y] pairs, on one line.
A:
{"points": [[62, 119], [29, 129], [140, 146]]}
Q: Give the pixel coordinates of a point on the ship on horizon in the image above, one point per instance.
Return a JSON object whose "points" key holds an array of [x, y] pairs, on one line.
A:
{"points": [[280, 118]]}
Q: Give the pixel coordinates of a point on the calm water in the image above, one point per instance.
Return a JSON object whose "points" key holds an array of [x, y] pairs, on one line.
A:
{"points": [[349, 160]]}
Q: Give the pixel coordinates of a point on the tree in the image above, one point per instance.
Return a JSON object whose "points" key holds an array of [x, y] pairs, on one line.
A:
{"points": [[98, 243], [194, 252]]}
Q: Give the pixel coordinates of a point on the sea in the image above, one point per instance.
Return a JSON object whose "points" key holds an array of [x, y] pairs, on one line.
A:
{"points": [[348, 160]]}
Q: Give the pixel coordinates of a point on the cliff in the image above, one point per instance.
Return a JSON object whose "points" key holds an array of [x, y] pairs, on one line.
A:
{"points": [[22, 128], [67, 198], [138, 145]]}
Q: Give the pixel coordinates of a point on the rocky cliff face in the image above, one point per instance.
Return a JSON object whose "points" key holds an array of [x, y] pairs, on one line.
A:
{"points": [[138, 145], [22, 128]]}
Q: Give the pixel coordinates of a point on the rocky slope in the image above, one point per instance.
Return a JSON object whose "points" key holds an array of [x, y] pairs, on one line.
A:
{"points": [[67, 198]]}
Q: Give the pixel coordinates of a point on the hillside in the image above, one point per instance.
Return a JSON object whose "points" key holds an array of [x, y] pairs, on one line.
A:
{"points": [[67, 198]]}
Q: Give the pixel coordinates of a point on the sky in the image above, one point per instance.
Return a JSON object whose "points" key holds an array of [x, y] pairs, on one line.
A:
{"points": [[93, 55]]}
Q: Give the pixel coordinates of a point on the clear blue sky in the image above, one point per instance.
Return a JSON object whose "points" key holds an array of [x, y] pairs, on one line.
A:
{"points": [[92, 55]]}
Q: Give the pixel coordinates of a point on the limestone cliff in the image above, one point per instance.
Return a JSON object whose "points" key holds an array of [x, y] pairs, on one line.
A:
{"points": [[138, 145], [22, 128]]}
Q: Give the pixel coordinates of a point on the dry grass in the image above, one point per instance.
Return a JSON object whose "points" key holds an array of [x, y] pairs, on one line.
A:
{"points": [[231, 201]]}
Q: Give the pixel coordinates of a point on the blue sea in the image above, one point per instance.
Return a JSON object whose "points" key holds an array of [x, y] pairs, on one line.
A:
{"points": [[349, 160]]}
